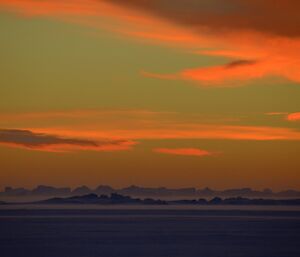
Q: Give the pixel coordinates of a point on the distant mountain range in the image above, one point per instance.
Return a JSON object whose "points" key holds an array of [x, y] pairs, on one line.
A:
{"points": [[127, 200], [146, 192]]}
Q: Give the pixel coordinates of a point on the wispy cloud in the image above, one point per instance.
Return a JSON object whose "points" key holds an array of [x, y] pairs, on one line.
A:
{"points": [[264, 32], [232, 74], [184, 151], [259, 31], [293, 116], [272, 60], [239, 63], [285, 115], [112, 125], [276, 113], [118, 130], [173, 130], [278, 18], [52, 143]]}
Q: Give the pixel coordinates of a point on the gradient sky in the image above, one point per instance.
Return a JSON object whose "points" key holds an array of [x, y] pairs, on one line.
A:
{"points": [[156, 93]]}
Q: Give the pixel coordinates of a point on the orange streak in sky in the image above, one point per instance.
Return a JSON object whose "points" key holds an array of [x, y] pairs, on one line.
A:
{"points": [[275, 55], [183, 151], [294, 116], [138, 125], [77, 114], [117, 130], [272, 57], [205, 131], [67, 148], [120, 140]]}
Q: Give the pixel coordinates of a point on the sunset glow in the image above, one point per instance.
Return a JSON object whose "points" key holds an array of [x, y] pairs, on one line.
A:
{"points": [[125, 91]]}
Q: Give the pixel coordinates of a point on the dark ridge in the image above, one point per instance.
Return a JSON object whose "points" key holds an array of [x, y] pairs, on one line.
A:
{"points": [[121, 199], [102, 199]]}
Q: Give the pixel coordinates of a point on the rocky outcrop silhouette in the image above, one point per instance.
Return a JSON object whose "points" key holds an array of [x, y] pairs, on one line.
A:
{"points": [[48, 190], [83, 190]]}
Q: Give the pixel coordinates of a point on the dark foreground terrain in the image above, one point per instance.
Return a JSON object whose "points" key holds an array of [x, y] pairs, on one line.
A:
{"points": [[149, 232]]}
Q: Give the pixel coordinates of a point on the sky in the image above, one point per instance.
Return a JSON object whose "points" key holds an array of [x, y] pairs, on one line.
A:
{"points": [[175, 93]]}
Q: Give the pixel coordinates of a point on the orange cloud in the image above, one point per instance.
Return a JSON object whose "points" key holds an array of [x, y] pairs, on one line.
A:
{"points": [[226, 75], [128, 21], [53, 143], [118, 130], [269, 39], [179, 131], [276, 113], [259, 36], [288, 116], [136, 125], [183, 151], [77, 138], [279, 18], [294, 116], [259, 56]]}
